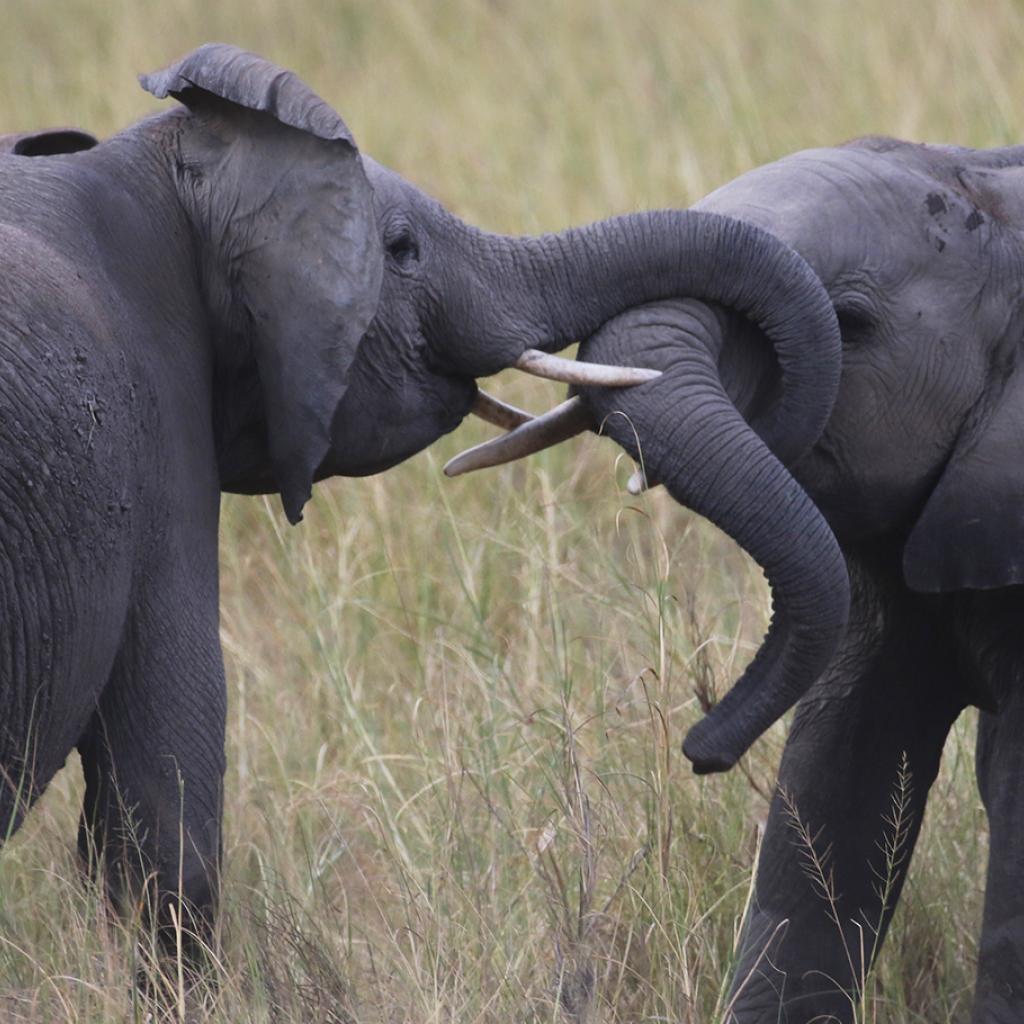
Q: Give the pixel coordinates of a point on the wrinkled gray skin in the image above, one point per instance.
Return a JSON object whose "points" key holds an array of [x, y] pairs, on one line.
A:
{"points": [[228, 297], [919, 473]]}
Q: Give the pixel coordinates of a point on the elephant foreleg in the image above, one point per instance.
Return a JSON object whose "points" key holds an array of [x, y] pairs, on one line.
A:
{"points": [[999, 996], [992, 638], [862, 753]]}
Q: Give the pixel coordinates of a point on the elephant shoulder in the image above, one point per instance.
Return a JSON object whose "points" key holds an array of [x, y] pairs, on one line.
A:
{"points": [[44, 293], [875, 144]]}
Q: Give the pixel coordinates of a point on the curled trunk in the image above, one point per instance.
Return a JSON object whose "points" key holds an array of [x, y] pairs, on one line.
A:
{"points": [[688, 434], [550, 291], [612, 285]]}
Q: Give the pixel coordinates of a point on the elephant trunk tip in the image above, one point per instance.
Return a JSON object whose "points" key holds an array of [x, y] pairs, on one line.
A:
{"points": [[708, 758]]}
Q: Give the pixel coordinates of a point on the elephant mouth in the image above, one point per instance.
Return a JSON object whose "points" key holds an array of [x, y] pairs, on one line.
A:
{"points": [[414, 418]]}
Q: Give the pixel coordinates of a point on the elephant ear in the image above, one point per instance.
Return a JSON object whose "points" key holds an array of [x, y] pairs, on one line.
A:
{"points": [[51, 142], [224, 71], [273, 178], [971, 531]]}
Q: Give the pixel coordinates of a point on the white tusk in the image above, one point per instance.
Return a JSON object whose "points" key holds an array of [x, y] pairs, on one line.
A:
{"points": [[559, 424], [571, 371], [498, 413], [637, 483]]}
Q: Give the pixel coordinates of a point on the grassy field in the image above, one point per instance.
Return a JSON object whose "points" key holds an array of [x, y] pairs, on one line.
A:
{"points": [[454, 790]]}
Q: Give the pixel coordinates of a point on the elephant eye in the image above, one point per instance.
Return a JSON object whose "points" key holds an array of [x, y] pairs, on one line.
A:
{"points": [[402, 248], [855, 324]]}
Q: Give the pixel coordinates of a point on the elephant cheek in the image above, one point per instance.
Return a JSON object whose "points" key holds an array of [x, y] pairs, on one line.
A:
{"points": [[433, 407], [864, 493], [376, 429]]}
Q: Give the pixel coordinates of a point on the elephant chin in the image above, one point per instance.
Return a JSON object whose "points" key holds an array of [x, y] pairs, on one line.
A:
{"points": [[368, 439]]}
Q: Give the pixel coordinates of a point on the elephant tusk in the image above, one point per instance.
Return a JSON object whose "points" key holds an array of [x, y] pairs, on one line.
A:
{"points": [[555, 426], [570, 371], [498, 413], [637, 483]]}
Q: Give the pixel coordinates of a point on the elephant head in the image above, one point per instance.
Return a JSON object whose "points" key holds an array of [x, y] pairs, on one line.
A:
{"points": [[921, 251], [919, 248]]}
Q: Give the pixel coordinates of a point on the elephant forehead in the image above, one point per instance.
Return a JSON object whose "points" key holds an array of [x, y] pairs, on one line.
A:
{"points": [[844, 208], [818, 183], [386, 184], [393, 194]]}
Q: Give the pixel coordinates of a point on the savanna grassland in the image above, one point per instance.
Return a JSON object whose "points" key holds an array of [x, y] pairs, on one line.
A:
{"points": [[454, 791]]}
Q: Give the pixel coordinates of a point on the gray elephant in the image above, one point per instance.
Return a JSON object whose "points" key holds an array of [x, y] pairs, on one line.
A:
{"points": [[918, 474], [227, 296]]}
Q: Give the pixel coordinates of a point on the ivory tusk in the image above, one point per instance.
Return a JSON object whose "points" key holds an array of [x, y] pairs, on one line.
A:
{"points": [[571, 371], [558, 425], [637, 483], [498, 413]]}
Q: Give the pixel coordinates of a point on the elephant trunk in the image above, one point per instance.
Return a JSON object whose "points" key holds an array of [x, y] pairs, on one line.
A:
{"points": [[687, 433], [550, 291]]}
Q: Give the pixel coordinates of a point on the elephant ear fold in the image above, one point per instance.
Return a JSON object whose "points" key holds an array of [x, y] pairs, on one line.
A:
{"points": [[51, 142], [252, 82], [971, 531], [279, 188]]}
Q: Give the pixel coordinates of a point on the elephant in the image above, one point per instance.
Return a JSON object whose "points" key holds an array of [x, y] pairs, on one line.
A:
{"points": [[917, 476], [228, 296]]}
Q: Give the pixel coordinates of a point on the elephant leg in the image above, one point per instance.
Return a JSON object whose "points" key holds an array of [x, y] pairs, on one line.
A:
{"points": [[56, 652], [999, 996], [153, 757], [862, 753]]}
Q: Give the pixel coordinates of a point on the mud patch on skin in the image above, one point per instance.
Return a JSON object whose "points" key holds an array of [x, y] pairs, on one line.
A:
{"points": [[935, 204], [974, 220]]}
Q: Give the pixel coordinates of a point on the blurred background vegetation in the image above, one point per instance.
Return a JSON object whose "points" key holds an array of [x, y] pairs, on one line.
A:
{"points": [[454, 791]]}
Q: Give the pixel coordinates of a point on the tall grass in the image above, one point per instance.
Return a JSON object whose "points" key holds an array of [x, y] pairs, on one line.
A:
{"points": [[454, 790]]}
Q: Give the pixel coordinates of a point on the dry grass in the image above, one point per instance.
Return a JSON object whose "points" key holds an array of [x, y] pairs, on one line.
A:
{"points": [[455, 792]]}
